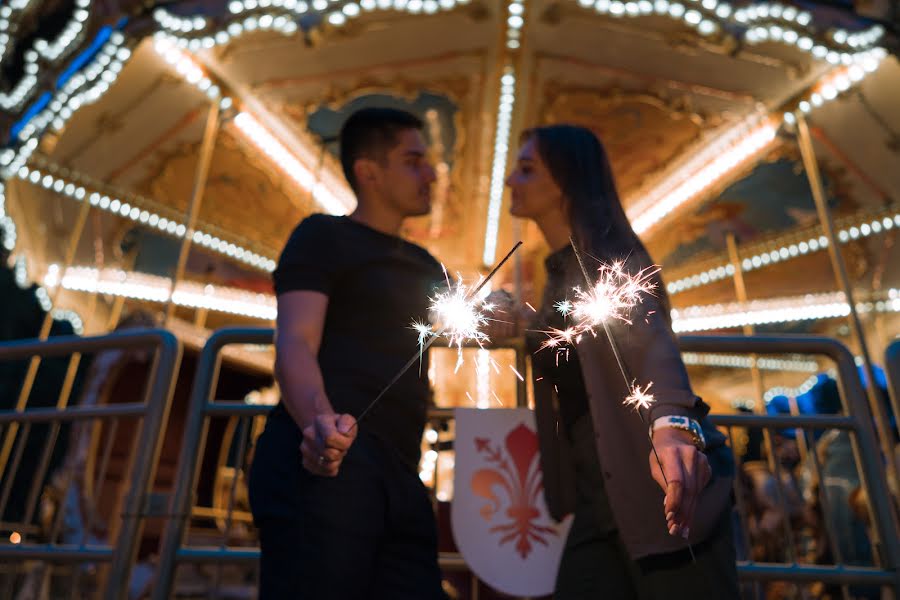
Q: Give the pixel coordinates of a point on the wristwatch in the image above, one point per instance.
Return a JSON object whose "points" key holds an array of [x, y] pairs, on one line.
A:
{"points": [[683, 423]]}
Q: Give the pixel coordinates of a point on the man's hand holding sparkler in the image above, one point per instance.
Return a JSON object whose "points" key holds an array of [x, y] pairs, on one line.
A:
{"points": [[687, 473], [326, 442]]}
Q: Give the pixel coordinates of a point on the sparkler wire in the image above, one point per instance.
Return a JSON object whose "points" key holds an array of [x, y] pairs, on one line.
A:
{"points": [[624, 372], [431, 340]]}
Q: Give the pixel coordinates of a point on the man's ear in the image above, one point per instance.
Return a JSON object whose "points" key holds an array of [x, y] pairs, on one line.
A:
{"points": [[365, 171]]}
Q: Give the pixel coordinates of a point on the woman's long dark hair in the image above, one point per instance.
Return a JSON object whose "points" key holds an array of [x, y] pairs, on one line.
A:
{"points": [[580, 167]]}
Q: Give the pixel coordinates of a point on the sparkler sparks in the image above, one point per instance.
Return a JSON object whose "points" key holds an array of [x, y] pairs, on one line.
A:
{"points": [[613, 296], [564, 307], [640, 398], [459, 316], [427, 337]]}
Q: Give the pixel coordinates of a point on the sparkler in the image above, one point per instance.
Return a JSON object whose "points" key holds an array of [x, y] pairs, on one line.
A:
{"points": [[613, 296], [458, 312], [640, 398], [460, 315]]}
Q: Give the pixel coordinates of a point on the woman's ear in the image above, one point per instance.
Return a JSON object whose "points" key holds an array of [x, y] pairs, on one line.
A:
{"points": [[565, 205]]}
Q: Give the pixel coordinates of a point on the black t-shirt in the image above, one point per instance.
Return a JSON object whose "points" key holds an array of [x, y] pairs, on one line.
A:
{"points": [[376, 284], [560, 364]]}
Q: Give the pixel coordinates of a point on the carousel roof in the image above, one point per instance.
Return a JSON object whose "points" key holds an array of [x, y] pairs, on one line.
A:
{"points": [[107, 105]]}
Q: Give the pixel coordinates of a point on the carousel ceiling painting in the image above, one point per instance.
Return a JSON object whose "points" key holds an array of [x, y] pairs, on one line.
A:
{"points": [[159, 155]]}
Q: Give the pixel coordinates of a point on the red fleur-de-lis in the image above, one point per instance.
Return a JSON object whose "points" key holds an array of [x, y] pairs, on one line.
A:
{"points": [[522, 484]]}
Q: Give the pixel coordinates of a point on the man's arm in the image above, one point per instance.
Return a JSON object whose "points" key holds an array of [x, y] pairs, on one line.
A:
{"points": [[326, 435], [301, 320]]}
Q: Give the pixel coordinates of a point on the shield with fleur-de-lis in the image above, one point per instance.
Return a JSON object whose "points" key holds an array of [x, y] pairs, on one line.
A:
{"points": [[500, 521]]}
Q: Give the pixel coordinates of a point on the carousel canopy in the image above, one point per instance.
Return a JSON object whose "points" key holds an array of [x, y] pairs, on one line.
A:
{"points": [[139, 135]]}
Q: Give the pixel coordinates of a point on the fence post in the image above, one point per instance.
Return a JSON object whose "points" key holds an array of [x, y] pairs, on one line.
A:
{"points": [[202, 392]]}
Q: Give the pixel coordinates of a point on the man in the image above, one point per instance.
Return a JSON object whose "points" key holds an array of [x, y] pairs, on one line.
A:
{"points": [[339, 505]]}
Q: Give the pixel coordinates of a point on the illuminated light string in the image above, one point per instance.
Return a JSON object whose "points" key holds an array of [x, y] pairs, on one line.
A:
{"points": [[335, 199], [777, 310], [861, 229], [734, 361], [262, 306], [857, 55], [84, 87], [701, 171], [152, 288], [50, 51], [281, 16], [761, 23], [7, 225], [23, 282], [505, 106], [132, 209]]}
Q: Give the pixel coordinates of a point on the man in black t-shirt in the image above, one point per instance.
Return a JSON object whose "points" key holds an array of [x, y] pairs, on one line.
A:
{"points": [[340, 508]]}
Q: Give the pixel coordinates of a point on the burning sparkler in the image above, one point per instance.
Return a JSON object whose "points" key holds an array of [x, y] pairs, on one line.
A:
{"points": [[640, 398], [613, 296], [564, 307], [460, 315], [461, 311]]}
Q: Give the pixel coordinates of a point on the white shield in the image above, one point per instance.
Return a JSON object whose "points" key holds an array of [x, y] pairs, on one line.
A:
{"points": [[499, 519]]}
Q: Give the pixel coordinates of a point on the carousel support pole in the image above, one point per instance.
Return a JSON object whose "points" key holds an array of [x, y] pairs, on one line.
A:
{"points": [[35, 363], [200, 176], [879, 412], [200, 317], [759, 406], [740, 290], [116, 313], [99, 263]]}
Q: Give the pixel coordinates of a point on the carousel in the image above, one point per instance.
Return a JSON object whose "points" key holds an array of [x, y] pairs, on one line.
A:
{"points": [[156, 157]]}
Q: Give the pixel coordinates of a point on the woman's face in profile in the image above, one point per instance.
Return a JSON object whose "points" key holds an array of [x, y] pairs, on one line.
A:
{"points": [[534, 193]]}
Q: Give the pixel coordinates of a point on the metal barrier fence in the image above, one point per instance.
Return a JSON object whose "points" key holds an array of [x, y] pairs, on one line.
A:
{"points": [[892, 369], [856, 420], [149, 414]]}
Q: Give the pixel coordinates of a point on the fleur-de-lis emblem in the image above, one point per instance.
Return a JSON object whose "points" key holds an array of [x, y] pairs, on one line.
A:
{"points": [[516, 471]]}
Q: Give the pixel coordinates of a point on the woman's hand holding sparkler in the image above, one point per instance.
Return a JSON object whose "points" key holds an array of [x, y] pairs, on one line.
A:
{"points": [[326, 442], [687, 473]]}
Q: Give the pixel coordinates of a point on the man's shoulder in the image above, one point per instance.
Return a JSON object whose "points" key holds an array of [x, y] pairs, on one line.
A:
{"points": [[318, 221], [316, 229], [426, 257]]}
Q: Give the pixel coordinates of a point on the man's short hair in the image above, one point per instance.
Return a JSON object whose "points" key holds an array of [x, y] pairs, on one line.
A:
{"points": [[372, 133]]}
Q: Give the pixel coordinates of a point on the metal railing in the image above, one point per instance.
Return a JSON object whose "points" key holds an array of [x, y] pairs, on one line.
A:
{"points": [[892, 370], [150, 413], [203, 406], [856, 420]]}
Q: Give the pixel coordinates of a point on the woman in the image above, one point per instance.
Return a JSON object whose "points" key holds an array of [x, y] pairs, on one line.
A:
{"points": [[632, 526]]}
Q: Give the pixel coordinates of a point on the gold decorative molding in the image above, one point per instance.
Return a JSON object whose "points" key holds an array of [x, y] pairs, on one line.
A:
{"points": [[246, 194], [457, 88], [642, 131]]}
